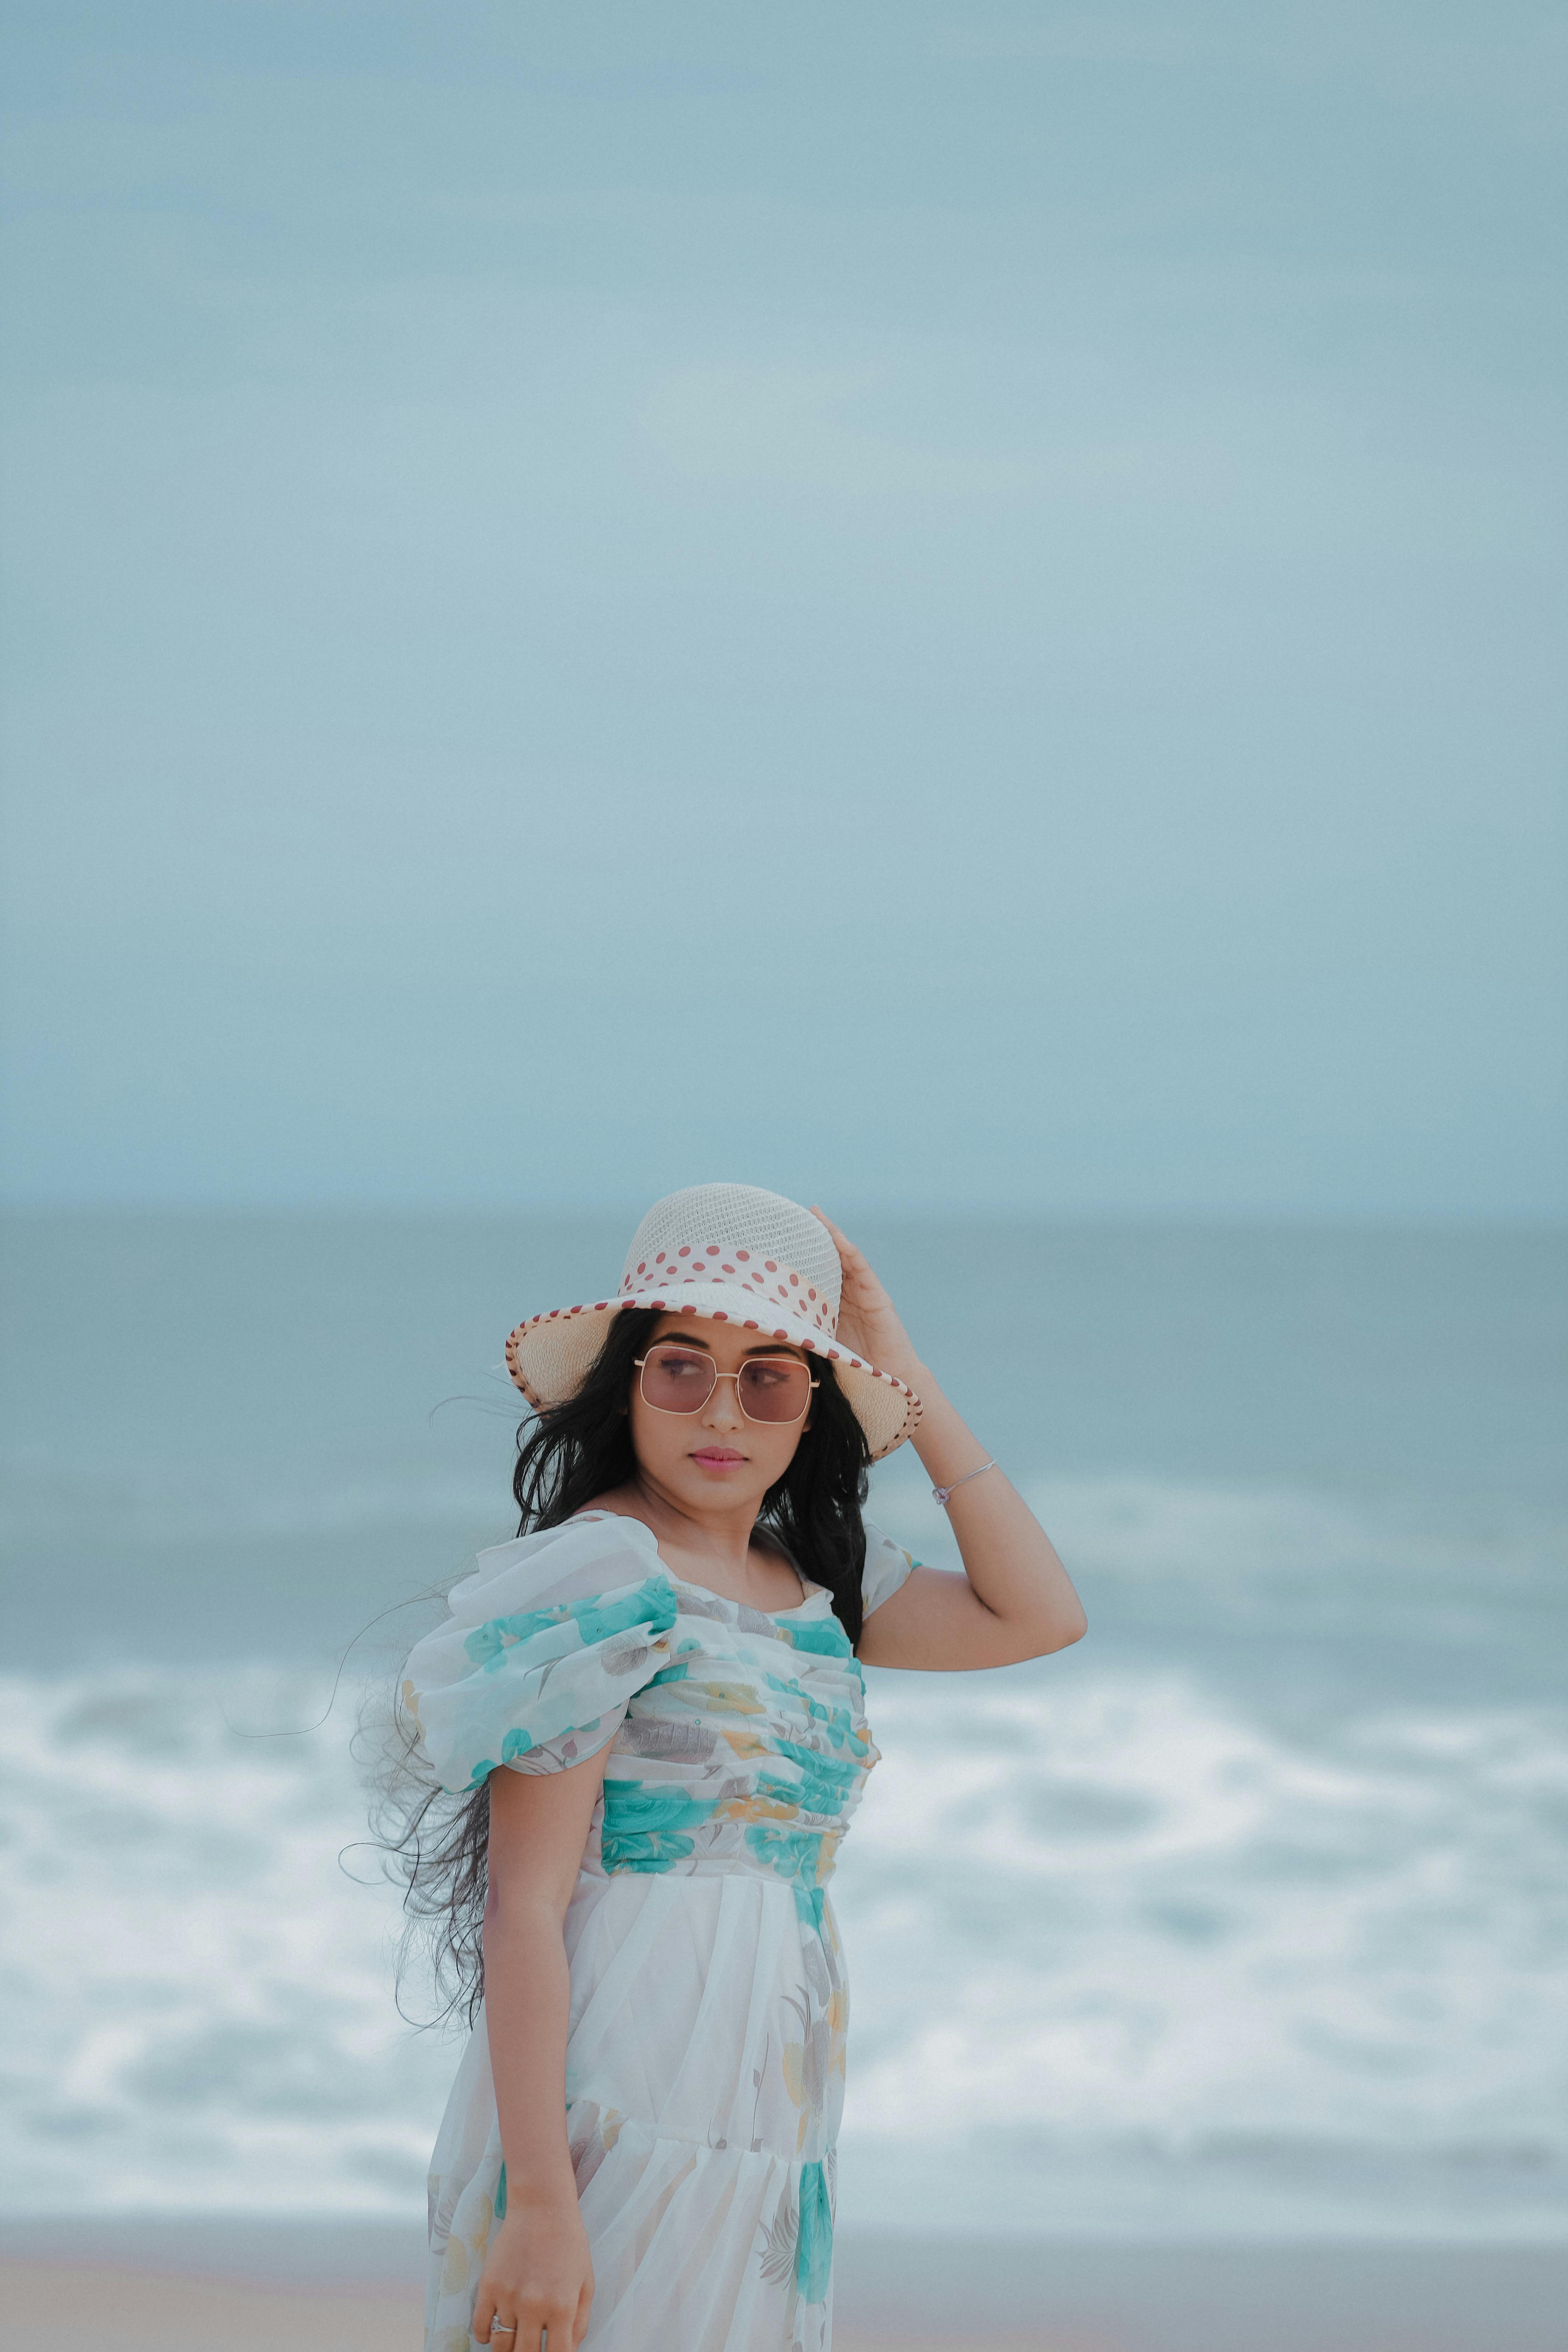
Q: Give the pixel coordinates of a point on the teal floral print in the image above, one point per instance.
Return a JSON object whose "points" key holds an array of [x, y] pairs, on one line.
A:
{"points": [[796, 1855], [826, 1780], [824, 1639], [652, 1603], [813, 2240], [644, 1829]]}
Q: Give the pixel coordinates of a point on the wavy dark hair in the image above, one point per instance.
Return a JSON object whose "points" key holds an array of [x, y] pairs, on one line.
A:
{"points": [[437, 1843]]}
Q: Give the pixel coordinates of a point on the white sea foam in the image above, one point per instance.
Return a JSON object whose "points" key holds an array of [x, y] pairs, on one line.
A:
{"points": [[206, 1995], [1112, 1917], [1120, 1947]]}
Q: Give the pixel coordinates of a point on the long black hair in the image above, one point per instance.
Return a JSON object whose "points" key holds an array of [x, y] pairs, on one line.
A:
{"points": [[567, 1456]]}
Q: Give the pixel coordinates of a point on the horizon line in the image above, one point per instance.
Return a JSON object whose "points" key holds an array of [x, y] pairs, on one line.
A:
{"points": [[901, 1210]]}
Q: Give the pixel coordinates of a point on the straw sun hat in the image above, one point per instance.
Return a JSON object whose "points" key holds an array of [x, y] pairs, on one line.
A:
{"points": [[730, 1253]]}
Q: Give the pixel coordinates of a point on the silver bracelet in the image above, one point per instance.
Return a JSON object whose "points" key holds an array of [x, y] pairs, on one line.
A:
{"points": [[941, 1493]]}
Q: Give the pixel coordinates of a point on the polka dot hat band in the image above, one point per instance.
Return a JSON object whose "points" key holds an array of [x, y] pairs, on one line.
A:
{"points": [[730, 1254]]}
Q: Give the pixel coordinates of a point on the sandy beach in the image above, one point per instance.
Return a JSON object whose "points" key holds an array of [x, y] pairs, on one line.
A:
{"points": [[161, 2286]]}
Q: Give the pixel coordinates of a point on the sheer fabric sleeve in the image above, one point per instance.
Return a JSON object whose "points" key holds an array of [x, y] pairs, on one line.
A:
{"points": [[544, 1649], [887, 1566]]}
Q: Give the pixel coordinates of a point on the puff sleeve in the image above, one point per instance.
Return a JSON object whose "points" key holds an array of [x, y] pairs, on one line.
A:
{"points": [[542, 1651], [887, 1566]]}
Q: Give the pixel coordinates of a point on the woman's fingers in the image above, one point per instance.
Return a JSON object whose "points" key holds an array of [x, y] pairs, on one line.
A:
{"points": [[868, 1322], [559, 2326], [489, 2323], [858, 1278], [506, 2330], [841, 1241]]}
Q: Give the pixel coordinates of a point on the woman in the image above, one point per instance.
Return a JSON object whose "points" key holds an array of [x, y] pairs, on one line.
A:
{"points": [[651, 1709]]}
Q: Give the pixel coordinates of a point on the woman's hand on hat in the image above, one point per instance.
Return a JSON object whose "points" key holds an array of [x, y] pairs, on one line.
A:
{"points": [[868, 1319]]}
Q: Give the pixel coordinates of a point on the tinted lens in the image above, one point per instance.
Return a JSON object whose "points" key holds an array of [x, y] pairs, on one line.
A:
{"points": [[677, 1380], [775, 1388]]}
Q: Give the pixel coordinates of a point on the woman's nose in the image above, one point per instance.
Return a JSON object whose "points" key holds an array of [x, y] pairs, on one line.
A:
{"points": [[723, 1407]]}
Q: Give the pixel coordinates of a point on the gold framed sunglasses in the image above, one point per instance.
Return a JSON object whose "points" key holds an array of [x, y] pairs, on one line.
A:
{"points": [[674, 1378]]}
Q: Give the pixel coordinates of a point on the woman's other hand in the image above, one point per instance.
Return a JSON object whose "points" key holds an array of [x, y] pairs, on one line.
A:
{"points": [[538, 2274]]}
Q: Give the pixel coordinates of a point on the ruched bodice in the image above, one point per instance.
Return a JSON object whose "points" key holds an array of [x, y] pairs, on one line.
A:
{"points": [[748, 1751], [708, 2006]]}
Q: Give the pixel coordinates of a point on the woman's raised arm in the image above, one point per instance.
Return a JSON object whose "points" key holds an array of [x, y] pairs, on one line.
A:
{"points": [[1015, 1599]]}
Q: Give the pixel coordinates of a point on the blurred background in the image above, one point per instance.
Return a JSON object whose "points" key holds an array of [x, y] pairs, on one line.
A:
{"points": [[954, 610]]}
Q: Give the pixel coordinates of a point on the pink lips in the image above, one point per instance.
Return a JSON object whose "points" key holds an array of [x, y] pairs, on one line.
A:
{"points": [[717, 1457]]}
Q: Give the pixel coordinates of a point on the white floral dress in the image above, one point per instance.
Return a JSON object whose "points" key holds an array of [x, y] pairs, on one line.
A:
{"points": [[708, 2003]]}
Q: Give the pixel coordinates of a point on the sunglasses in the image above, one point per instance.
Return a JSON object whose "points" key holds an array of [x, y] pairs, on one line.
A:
{"points": [[682, 1380]]}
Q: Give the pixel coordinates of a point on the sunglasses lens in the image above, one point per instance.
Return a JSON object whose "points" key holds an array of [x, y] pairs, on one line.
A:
{"points": [[677, 1380], [775, 1388]]}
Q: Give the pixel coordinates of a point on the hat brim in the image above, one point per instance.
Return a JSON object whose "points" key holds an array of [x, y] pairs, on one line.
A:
{"points": [[550, 1356]]}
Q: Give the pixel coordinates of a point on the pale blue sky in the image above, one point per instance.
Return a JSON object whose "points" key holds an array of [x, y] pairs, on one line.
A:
{"points": [[917, 604]]}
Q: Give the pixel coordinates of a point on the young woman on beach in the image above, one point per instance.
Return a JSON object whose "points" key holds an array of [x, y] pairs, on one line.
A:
{"points": [[650, 1713]]}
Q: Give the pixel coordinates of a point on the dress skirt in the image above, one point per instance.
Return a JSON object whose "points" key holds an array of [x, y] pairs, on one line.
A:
{"points": [[704, 2076]]}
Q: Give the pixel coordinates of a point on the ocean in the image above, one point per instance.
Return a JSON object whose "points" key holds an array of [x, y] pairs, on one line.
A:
{"points": [[1245, 1918]]}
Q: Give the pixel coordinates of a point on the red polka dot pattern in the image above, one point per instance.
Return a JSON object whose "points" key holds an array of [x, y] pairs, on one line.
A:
{"points": [[808, 1301]]}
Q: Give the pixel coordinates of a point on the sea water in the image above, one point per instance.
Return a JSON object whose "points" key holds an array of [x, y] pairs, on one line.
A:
{"points": [[1244, 1916]]}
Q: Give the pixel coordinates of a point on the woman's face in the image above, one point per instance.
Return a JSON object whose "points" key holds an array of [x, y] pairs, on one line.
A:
{"points": [[714, 1458]]}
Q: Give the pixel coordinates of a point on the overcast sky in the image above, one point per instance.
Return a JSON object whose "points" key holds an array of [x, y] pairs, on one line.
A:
{"points": [[919, 603]]}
